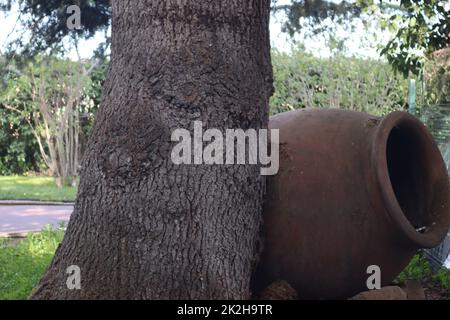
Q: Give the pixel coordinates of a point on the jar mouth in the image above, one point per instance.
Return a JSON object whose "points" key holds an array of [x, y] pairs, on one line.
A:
{"points": [[412, 178]]}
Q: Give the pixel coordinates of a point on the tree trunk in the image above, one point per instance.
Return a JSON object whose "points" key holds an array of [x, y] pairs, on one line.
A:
{"points": [[143, 227]]}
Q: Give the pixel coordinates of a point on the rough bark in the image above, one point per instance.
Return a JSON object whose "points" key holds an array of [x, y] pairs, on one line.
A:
{"points": [[144, 228]]}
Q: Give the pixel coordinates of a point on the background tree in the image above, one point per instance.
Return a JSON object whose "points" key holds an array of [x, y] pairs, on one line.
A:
{"points": [[50, 96], [19, 147], [43, 24]]}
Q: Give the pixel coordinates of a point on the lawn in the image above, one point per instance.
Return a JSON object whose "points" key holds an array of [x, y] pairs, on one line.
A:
{"points": [[23, 263], [34, 188]]}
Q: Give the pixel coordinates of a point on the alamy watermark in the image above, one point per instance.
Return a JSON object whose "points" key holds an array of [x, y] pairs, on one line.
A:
{"points": [[74, 20], [374, 280], [234, 146], [73, 281]]}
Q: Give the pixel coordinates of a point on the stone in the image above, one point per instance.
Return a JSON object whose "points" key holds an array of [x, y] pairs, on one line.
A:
{"points": [[279, 290], [385, 293], [414, 290]]}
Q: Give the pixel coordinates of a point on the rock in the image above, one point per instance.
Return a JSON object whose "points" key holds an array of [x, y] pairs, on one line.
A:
{"points": [[385, 293], [279, 290], [414, 290]]}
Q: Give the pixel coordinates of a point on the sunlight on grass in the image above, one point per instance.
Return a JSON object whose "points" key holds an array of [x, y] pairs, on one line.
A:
{"points": [[34, 188], [22, 264]]}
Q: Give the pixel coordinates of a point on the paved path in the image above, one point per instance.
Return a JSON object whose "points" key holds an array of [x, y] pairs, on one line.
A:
{"points": [[20, 219]]}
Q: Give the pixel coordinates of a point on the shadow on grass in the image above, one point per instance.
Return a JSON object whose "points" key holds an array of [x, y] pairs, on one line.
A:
{"points": [[23, 262]]}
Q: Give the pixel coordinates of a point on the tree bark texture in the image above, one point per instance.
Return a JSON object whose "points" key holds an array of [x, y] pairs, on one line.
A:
{"points": [[143, 227]]}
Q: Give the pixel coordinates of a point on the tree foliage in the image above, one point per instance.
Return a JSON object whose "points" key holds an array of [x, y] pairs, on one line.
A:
{"points": [[46, 20], [420, 27], [316, 11]]}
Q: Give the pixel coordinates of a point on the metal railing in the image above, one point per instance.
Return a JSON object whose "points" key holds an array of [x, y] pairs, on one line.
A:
{"points": [[437, 119]]}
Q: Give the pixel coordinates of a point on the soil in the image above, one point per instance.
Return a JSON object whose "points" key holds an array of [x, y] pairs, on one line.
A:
{"points": [[434, 291]]}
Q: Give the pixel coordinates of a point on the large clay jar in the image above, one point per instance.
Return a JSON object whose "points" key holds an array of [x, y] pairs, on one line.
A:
{"points": [[353, 190]]}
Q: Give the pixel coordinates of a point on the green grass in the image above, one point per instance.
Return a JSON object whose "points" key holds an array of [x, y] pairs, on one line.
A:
{"points": [[34, 188], [22, 264], [419, 269], [443, 278]]}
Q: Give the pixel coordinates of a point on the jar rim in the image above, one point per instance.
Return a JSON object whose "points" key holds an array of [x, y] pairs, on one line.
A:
{"points": [[434, 171]]}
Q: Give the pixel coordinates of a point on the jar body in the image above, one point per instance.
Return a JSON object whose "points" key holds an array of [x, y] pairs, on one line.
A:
{"points": [[327, 218]]}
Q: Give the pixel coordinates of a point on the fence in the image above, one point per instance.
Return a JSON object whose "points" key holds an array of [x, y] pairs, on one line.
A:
{"points": [[437, 119]]}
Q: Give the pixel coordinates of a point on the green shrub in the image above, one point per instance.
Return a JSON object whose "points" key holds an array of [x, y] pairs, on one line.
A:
{"points": [[302, 80], [436, 74], [19, 152]]}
